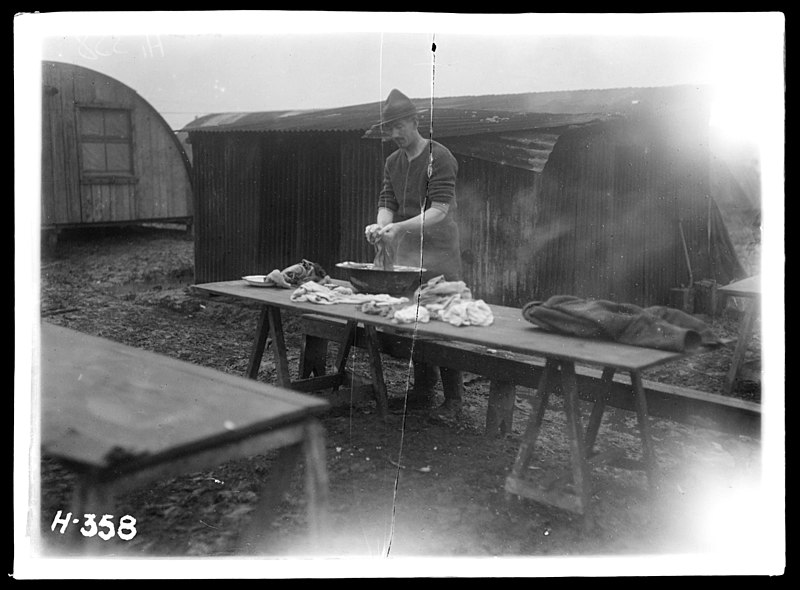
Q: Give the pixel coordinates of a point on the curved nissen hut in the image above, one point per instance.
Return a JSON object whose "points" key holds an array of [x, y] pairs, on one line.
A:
{"points": [[108, 157]]}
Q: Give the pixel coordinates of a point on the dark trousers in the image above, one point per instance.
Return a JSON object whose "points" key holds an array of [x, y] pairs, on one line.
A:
{"points": [[426, 377]]}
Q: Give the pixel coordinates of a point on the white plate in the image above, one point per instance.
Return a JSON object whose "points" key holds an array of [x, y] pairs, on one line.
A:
{"points": [[257, 280]]}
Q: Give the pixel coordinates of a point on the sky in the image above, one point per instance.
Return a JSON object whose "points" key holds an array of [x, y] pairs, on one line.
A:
{"points": [[188, 64]]}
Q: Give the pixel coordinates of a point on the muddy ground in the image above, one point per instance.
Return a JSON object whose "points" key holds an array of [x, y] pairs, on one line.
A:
{"points": [[415, 486]]}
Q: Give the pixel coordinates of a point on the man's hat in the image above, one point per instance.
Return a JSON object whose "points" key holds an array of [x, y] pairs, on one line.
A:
{"points": [[397, 106]]}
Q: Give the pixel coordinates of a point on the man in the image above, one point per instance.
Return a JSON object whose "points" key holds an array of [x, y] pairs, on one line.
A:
{"points": [[416, 218]]}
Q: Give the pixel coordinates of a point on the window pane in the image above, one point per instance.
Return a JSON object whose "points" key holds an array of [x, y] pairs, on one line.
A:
{"points": [[91, 122], [119, 157], [94, 159], [117, 124]]}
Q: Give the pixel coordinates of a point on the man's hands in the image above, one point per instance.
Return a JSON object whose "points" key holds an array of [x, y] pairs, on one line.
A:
{"points": [[391, 231], [373, 232], [388, 232]]}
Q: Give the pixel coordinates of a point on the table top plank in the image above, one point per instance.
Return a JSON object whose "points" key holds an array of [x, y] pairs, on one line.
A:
{"points": [[510, 331], [749, 287], [98, 395]]}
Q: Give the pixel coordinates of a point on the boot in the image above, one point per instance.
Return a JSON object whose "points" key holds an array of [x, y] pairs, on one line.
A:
{"points": [[453, 386], [423, 392]]}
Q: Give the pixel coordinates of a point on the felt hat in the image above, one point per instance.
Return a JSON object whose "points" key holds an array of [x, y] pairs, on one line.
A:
{"points": [[397, 106]]}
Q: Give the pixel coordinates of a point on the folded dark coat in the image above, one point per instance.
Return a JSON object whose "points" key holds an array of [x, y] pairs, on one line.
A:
{"points": [[653, 327]]}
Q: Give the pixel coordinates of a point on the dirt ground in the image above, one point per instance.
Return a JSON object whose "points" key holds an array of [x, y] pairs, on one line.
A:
{"points": [[416, 486]]}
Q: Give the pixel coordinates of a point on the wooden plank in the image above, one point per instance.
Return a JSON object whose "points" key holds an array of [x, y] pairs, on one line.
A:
{"points": [[114, 397], [319, 383], [749, 287], [71, 153], [52, 194], [138, 473], [559, 499]]}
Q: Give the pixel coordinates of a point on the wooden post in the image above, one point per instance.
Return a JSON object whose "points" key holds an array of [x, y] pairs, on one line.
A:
{"points": [[500, 410]]}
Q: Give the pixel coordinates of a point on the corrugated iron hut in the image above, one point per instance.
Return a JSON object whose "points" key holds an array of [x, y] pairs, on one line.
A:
{"points": [[108, 157], [598, 193]]}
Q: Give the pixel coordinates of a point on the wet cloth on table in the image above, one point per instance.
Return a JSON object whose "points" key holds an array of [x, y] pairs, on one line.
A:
{"points": [[438, 299], [452, 302], [653, 327], [296, 274], [330, 294]]}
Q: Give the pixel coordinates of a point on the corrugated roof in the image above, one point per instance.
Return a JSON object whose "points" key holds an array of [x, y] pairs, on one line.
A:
{"points": [[512, 129], [528, 149], [353, 118], [468, 115]]}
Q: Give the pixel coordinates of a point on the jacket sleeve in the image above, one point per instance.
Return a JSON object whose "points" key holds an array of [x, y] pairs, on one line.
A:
{"points": [[442, 181], [387, 198]]}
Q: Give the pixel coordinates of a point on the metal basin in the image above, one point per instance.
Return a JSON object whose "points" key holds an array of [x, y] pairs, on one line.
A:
{"points": [[402, 281]]}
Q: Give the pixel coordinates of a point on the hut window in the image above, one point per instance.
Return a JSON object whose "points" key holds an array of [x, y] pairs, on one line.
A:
{"points": [[105, 136]]}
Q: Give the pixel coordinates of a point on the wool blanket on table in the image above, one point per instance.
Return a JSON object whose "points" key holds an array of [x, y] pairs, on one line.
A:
{"points": [[659, 327]]}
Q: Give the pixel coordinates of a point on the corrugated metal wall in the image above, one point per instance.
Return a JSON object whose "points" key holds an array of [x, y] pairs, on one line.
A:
{"points": [[361, 178], [610, 205], [497, 207], [264, 201]]}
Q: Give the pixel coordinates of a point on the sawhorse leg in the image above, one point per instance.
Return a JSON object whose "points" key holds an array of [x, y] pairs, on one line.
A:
{"points": [[541, 399], [745, 331], [643, 418], [596, 417], [257, 352], [270, 326], [376, 371], [556, 373], [581, 477]]}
